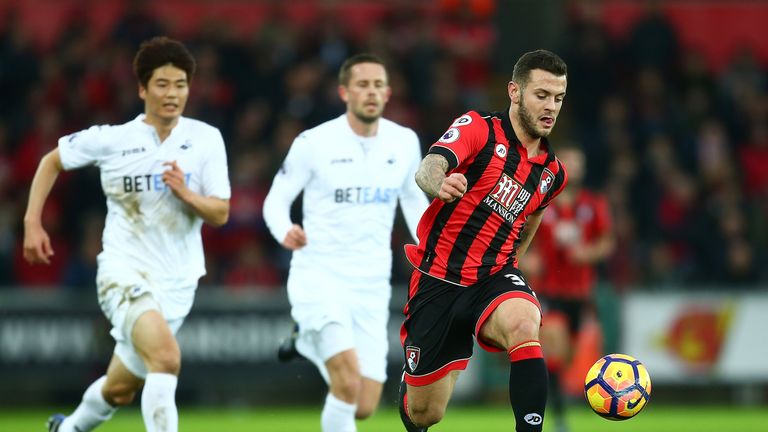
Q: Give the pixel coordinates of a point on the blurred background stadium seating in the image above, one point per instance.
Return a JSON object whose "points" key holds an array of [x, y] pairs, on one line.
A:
{"points": [[669, 100]]}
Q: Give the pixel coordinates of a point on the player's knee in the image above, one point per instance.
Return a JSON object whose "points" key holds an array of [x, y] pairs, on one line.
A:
{"points": [[364, 411], [165, 360], [521, 329], [349, 388], [119, 394], [425, 414], [346, 384]]}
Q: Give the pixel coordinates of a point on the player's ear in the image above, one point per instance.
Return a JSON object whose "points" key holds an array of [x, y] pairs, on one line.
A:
{"points": [[142, 92], [514, 92], [343, 93], [387, 94]]}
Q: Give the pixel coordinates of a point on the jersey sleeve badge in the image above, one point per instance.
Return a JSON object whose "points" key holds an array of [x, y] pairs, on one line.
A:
{"points": [[451, 135], [462, 121]]}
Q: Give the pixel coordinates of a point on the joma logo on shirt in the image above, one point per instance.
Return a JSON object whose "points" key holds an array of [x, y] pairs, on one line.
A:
{"points": [[134, 151], [341, 161]]}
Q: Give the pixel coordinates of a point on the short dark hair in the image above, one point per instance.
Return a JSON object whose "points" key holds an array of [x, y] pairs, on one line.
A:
{"points": [[344, 71], [539, 59], [158, 52]]}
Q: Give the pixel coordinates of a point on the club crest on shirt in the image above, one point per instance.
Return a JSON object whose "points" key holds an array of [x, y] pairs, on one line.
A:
{"points": [[547, 179], [451, 135], [463, 120], [412, 355]]}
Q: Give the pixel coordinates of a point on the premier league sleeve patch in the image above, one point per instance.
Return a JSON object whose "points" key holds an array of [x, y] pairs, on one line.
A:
{"points": [[463, 120], [451, 135]]}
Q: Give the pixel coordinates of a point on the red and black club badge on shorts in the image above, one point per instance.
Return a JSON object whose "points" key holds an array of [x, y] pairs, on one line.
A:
{"points": [[412, 357]]}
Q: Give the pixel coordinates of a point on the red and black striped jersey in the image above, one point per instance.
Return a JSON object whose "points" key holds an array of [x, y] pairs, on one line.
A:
{"points": [[477, 235]]}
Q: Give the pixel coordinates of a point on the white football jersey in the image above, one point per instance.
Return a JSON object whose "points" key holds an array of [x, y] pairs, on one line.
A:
{"points": [[148, 231], [351, 185]]}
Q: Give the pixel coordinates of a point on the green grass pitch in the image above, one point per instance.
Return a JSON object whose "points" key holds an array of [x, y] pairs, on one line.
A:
{"points": [[306, 419]]}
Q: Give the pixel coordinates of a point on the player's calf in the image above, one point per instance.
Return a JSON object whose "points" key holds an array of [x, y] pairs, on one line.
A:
{"points": [[527, 385], [402, 404], [119, 394]]}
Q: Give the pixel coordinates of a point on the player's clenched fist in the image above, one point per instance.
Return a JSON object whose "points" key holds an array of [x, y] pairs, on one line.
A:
{"points": [[452, 188], [295, 238], [174, 178], [37, 245]]}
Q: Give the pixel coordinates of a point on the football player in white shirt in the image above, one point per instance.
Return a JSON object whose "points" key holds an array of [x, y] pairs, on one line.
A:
{"points": [[163, 175], [353, 171]]}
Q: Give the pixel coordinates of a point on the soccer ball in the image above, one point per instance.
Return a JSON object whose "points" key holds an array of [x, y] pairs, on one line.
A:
{"points": [[617, 387]]}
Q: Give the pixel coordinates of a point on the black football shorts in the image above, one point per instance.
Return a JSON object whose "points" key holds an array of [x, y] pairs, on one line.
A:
{"points": [[442, 318]]}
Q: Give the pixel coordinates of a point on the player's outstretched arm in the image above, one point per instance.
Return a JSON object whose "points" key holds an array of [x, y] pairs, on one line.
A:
{"points": [[431, 179], [214, 211], [37, 244]]}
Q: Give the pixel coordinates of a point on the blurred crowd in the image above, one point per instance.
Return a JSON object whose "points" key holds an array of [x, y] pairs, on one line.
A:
{"points": [[680, 149]]}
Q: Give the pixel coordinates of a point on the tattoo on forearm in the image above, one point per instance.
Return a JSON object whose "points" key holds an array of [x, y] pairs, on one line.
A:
{"points": [[431, 173]]}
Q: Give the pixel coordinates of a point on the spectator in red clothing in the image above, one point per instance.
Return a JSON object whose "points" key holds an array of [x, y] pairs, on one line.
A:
{"points": [[253, 270], [753, 157], [465, 34], [246, 224], [575, 234], [8, 210], [79, 273], [38, 140]]}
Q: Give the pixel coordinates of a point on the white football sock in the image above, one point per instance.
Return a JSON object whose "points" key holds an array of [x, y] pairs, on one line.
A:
{"points": [[338, 416], [158, 403], [91, 412]]}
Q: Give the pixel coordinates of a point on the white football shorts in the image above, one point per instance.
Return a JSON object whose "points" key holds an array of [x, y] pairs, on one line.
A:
{"points": [[122, 304], [336, 315]]}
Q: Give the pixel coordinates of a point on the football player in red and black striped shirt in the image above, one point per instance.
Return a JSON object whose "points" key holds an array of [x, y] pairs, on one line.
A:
{"points": [[492, 175]]}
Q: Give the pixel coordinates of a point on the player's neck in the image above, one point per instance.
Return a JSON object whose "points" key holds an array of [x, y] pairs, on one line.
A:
{"points": [[532, 145], [163, 127], [362, 128]]}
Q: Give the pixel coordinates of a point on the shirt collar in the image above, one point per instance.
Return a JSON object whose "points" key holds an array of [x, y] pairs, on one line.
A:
{"points": [[139, 120]]}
